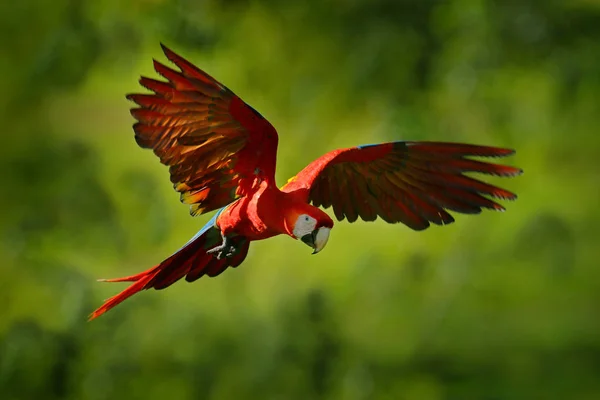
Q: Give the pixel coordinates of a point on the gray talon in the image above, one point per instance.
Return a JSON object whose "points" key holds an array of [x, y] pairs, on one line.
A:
{"points": [[220, 251]]}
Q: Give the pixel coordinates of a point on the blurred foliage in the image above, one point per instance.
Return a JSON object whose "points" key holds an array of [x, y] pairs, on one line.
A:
{"points": [[498, 306]]}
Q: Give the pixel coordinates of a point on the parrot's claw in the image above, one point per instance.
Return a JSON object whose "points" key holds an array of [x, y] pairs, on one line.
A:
{"points": [[220, 254], [224, 250]]}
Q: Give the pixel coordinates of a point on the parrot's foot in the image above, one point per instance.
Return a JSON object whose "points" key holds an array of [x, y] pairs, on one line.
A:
{"points": [[225, 249]]}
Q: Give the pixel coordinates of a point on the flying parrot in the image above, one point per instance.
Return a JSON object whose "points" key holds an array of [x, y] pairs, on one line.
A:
{"points": [[221, 155]]}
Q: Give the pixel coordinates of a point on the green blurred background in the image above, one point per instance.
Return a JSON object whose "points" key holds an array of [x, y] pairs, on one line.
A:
{"points": [[496, 306]]}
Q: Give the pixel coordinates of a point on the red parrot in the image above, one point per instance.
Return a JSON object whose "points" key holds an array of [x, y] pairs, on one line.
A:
{"points": [[221, 155]]}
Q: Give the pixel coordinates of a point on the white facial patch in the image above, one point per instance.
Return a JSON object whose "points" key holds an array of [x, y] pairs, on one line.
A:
{"points": [[305, 224]]}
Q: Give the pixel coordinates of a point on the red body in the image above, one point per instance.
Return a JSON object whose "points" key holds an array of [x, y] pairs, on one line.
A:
{"points": [[265, 213], [221, 155]]}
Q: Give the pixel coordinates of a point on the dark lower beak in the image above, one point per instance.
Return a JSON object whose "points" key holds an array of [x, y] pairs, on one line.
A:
{"points": [[310, 239]]}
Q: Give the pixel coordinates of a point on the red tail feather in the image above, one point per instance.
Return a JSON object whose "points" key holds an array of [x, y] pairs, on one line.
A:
{"points": [[192, 260], [140, 283]]}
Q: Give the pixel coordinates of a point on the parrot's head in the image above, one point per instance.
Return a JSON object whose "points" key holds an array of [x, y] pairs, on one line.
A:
{"points": [[312, 226]]}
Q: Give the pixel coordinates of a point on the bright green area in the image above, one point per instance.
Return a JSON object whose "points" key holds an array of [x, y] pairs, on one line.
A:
{"points": [[495, 306]]}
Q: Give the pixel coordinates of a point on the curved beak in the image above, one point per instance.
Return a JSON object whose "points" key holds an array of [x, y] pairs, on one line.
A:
{"points": [[317, 239]]}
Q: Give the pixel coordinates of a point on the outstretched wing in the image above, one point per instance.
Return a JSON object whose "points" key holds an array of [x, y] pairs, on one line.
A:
{"points": [[218, 148], [409, 182]]}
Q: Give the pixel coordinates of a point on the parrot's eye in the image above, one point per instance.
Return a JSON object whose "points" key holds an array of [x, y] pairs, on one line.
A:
{"points": [[304, 225]]}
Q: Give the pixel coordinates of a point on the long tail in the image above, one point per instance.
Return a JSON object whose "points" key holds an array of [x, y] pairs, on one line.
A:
{"points": [[190, 261]]}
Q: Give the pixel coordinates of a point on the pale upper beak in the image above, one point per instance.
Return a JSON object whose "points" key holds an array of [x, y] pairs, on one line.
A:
{"points": [[317, 239]]}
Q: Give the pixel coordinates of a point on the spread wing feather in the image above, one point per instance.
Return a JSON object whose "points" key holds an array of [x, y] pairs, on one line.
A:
{"points": [[217, 147], [414, 183]]}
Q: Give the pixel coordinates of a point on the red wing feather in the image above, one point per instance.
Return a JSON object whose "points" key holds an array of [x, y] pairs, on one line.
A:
{"points": [[213, 142], [409, 182]]}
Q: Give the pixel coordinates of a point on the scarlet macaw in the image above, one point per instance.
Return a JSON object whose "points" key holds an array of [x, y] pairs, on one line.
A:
{"points": [[221, 155]]}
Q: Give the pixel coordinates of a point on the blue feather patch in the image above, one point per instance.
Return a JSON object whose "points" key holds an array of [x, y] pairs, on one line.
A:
{"points": [[212, 223]]}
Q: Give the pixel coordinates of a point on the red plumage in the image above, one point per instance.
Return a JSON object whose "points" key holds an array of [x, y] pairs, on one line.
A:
{"points": [[221, 153], [409, 182]]}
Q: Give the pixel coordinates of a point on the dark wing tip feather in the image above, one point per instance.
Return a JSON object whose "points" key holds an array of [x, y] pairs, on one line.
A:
{"points": [[158, 66], [505, 152], [167, 51], [184, 65], [162, 69], [518, 171], [188, 69], [507, 171], [170, 54], [156, 86], [418, 228], [498, 152], [140, 138], [511, 197], [458, 149]]}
